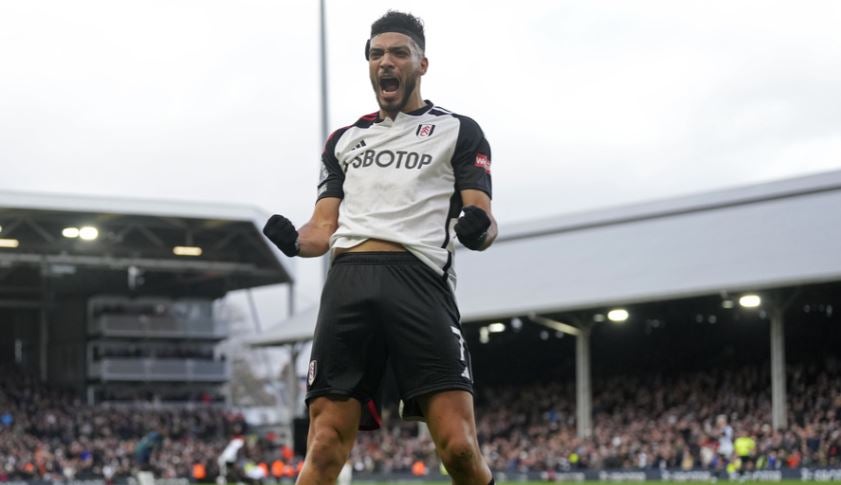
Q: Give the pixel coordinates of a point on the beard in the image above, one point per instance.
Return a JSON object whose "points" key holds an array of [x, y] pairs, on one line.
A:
{"points": [[394, 107]]}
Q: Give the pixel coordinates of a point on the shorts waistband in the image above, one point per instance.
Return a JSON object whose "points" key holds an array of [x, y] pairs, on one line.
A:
{"points": [[377, 257]]}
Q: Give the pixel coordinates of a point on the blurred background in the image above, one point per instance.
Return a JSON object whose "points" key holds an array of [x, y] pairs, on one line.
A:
{"points": [[667, 180]]}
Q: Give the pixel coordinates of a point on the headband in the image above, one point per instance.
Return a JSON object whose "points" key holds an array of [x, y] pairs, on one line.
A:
{"points": [[420, 41]]}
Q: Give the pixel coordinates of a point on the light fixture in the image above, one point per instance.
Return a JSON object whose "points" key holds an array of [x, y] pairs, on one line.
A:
{"points": [[88, 233], [750, 301], [70, 232], [9, 243], [727, 303], [598, 318], [617, 315], [496, 327], [484, 336], [1, 228], [186, 251]]}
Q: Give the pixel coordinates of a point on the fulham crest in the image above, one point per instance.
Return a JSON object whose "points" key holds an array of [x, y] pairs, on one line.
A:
{"points": [[311, 372], [425, 130]]}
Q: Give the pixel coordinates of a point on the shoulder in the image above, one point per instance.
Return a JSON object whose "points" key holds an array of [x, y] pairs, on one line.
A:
{"points": [[469, 131], [364, 121], [468, 127]]}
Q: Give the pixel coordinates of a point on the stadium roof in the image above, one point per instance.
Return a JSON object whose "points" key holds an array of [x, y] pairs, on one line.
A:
{"points": [[770, 235], [777, 234], [134, 248], [297, 328]]}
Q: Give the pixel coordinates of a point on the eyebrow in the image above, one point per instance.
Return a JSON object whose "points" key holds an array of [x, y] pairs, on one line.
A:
{"points": [[392, 48]]}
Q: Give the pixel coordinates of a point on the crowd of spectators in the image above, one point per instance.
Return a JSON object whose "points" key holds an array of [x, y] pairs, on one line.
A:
{"points": [[685, 421], [50, 434]]}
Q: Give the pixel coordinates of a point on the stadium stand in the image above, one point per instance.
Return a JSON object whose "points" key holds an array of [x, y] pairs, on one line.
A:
{"points": [[641, 422]]}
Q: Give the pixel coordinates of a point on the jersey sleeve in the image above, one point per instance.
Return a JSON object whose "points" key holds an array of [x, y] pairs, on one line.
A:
{"points": [[332, 177], [472, 158]]}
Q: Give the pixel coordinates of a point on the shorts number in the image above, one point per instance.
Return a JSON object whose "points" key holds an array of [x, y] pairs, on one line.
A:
{"points": [[462, 356]]}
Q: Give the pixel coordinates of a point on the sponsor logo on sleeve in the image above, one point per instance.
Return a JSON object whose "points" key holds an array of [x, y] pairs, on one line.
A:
{"points": [[483, 161]]}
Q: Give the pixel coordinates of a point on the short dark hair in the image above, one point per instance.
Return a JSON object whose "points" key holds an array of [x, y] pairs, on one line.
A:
{"points": [[404, 23]]}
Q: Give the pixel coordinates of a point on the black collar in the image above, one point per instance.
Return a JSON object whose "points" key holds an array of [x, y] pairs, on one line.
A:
{"points": [[427, 105]]}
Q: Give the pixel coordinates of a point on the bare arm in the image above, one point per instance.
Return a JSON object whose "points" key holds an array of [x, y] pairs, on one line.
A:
{"points": [[314, 236], [482, 201]]}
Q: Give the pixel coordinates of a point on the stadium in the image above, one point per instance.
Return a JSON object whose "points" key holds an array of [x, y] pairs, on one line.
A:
{"points": [[662, 302], [643, 342]]}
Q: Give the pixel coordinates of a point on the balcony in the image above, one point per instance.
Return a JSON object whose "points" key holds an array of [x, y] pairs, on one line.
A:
{"points": [[173, 370], [142, 326]]}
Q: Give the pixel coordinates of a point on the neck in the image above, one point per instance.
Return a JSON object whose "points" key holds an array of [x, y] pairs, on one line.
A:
{"points": [[415, 103]]}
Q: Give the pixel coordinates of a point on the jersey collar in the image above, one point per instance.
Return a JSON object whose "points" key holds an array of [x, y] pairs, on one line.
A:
{"points": [[427, 105]]}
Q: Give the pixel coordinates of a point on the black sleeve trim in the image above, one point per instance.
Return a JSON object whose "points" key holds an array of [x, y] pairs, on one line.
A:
{"points": [[472, 157], [332, 176]]}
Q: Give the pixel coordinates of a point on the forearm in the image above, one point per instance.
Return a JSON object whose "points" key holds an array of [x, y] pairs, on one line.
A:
{"points": [[314, 239]]}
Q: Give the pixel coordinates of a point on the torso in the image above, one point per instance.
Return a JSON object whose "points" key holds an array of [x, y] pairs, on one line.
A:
{"points": [[371, 245]]}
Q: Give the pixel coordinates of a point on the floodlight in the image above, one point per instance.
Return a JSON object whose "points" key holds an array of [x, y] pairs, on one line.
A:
{"points": [[88, 233], [617, 315], [750, 301], [496, 327], [70, 232], [726, 303], [186, 251], [9, 243], [484, 335]]}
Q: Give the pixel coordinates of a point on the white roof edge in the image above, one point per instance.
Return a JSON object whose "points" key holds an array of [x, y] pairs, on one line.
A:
{"points": [[134, 206], [524, 310], [144, 207], [298, 327], [740, 194]]}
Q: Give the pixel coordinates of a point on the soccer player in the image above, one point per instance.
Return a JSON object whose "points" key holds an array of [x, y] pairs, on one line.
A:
{"points": [[396, 187]]}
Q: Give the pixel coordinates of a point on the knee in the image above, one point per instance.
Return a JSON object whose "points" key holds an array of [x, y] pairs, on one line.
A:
{"points": [[460, 455], [327, 451]]}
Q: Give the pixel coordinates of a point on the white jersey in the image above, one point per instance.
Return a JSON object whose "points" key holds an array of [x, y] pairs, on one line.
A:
{"points": [[400, 180]]}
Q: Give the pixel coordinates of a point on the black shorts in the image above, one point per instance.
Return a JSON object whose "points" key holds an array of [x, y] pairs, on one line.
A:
{"points": [[386, 307]]}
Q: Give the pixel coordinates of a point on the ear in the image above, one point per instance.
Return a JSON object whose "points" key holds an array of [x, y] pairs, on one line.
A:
{"points": [[424, 65]]}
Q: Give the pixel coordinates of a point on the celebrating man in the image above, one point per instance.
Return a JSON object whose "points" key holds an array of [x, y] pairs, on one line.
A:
{"points": [[395, 187]]}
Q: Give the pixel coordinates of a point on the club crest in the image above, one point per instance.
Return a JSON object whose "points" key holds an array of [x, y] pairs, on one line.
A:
{"points": [[311, 372], [425, 130]]}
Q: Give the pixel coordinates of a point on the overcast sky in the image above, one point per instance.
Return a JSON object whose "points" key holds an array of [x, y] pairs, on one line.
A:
{"points": [[585, 104]]}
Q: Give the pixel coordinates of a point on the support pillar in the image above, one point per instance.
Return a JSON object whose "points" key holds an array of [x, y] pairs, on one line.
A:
{"points": [[583, 390], [779, 416]]}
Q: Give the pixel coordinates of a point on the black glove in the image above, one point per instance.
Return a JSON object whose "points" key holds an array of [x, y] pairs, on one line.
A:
{"points": [[472, 227], [283, 234]]}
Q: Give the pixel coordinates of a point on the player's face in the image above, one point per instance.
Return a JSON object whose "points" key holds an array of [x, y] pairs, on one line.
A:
{"points": [[395, 65]]}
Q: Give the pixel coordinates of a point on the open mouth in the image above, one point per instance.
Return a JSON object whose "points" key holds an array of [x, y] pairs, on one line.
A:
{"points": [[389, 84]]}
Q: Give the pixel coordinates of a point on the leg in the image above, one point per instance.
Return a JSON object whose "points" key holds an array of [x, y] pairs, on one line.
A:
{"points": [[452, 425], [332, 432]]}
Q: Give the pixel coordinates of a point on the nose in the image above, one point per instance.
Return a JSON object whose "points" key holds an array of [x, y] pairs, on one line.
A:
{"points": [[387, 60]]}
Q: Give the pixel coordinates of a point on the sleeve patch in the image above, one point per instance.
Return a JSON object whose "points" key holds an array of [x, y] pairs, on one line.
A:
{"points": [[484, 162]]}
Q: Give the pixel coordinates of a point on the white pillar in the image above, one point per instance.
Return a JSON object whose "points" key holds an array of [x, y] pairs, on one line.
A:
{"points": [[43, 341], [778, 369], [584, 405]]}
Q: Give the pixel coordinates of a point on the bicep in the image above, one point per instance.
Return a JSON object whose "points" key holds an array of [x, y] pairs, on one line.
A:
{"points": [[478, 198]]}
